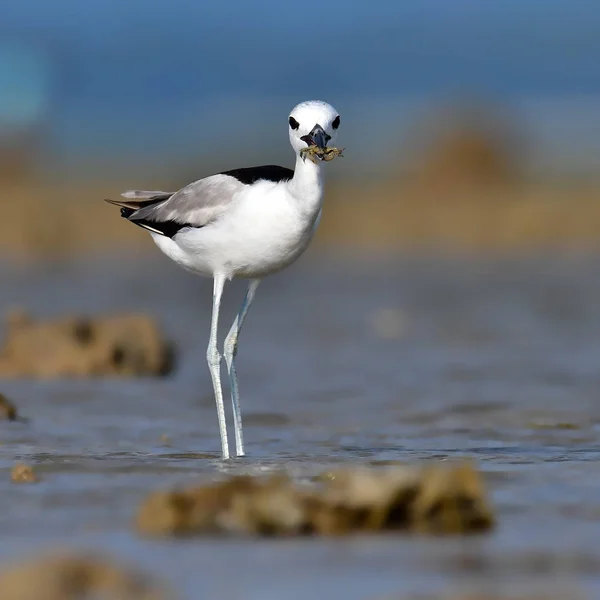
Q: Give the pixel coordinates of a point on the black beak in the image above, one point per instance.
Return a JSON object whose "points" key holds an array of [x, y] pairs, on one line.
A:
{"points": [[317, 137]]}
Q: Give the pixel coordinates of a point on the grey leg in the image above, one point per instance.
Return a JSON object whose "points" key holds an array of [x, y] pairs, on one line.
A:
{"points": [[230, 350], [214, 363]]}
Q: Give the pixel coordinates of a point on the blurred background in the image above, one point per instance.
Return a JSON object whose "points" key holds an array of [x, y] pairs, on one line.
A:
{"points": [[448, 307], [467, 124]]}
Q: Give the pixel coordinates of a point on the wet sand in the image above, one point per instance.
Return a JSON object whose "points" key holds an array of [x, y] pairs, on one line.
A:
{"points": [[342, 362]]}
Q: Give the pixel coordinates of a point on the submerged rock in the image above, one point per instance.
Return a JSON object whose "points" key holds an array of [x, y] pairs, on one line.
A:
{"points": [[437, 499], [76, 346], [8, 411], [22, 473], [76, 577]]}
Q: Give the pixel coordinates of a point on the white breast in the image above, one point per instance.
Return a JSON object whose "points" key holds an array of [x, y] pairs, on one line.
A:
{"points": [[265, 230]]}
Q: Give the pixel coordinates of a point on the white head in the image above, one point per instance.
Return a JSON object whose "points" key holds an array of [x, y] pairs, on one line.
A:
{"points": [[313, 123]]}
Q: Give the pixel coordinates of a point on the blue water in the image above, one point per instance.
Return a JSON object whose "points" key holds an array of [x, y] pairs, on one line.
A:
{"points": [[134, 78], [496, 361]]}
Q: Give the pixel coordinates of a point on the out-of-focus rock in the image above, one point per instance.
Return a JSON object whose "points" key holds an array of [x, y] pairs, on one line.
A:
{"points": [[389, 323], [467, 157], [8, 411], [75, 577], [77, 346], [471, 144], [438, 499], [23, 474]]}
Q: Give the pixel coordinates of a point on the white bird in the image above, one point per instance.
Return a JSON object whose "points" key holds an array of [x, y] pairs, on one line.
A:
{"points": [[245, 223]]}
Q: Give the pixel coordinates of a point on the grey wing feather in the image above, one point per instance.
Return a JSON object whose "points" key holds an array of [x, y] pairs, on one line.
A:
{"points": [[143, 194], [195, 205]]}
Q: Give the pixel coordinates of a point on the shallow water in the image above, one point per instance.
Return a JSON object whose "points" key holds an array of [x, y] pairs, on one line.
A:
{"points": [[341, 362]]}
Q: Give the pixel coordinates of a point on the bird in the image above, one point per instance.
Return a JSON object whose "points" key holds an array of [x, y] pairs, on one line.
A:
{"points": [[244, 223]]}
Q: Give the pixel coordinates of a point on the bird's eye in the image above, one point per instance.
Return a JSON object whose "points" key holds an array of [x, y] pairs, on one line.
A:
{"points": [[336, 122], [293, 123]]}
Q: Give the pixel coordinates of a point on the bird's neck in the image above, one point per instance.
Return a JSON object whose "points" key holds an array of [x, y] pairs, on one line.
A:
{"points": [[307, 184]]}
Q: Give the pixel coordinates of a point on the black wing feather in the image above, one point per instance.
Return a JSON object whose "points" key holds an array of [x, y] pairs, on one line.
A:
{"points": [[250, 175]]}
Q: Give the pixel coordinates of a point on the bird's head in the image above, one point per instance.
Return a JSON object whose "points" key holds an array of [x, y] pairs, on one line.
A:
{"points": [[313, 123]]}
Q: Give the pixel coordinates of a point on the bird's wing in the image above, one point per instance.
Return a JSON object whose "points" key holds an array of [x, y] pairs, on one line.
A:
{"points": [[137, 199], [196, 205], [146, 195]]}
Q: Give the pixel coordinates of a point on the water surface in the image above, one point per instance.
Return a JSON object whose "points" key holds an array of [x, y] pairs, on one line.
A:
{"points": [[342, 362]]}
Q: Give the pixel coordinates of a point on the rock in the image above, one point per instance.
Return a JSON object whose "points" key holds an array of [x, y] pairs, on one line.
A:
{"points": [[8, 411], [23, 474], [437, 499], [206, 509], [77, 346], [77, 577], [470, 145]]}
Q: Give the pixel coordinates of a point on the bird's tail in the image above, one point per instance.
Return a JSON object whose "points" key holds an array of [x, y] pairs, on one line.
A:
{"points": [[136, 199]]}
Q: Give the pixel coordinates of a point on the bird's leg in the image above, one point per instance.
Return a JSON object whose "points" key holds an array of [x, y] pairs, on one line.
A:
{"points": [[230, 350], [214, 363]]}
